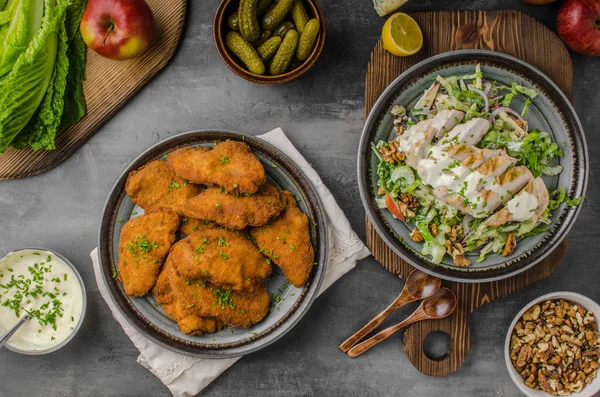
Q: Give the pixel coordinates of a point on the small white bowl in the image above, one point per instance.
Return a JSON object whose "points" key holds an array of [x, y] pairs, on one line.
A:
{"points": [[83, 307], [588, 304]]}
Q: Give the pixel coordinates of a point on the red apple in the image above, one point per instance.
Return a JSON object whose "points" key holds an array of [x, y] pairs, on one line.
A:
{"points": [[391, 205], [117, 29], [539, 2], [579, 25]]}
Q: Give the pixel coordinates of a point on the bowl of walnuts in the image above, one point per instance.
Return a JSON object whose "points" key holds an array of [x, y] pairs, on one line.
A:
{"points": [[553, 346]]}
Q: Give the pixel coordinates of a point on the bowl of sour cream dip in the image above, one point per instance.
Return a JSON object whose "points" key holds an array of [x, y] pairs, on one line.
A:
{"points": [[45, 285]]}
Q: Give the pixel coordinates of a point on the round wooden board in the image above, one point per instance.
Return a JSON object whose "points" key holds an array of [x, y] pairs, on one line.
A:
{"points": [[109, 85], [513, 33]]}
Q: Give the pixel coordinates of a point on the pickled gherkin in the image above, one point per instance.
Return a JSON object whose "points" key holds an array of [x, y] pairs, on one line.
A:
{"points": [[285, 53], [247, 20], [307, 39], [274, 17], [245, 52]]}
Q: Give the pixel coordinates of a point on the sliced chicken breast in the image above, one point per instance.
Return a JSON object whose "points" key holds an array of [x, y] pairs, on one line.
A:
{"points": [[505, 187], [415, 141], [480, 196], [469, 133], [445, 120], [529, 204]]}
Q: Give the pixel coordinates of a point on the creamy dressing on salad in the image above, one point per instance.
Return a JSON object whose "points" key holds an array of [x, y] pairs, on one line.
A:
{"points": [[441, 170], [522, 206], [41, 284], [411, 138]]}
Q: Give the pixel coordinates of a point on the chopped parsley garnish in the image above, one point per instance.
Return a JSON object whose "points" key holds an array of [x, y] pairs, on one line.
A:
{"points": [[222, 242], [173, 185], [23, 288], [225, 297], [224, 160], [452, 165]]}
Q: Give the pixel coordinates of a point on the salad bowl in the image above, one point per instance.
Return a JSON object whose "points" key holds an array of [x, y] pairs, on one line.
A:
{"points": [[549, 110]]}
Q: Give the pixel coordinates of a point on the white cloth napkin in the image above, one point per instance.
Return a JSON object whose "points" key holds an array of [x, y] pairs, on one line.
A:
{"points": [[186, 376]]}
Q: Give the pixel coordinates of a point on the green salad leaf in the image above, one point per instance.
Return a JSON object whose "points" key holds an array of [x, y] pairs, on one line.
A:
{"points": [[75, 106], [23, 19], [44, 65], [26, 84], [40, 131]]}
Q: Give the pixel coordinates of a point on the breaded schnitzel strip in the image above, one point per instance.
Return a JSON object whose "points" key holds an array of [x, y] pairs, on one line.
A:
{"points": [[286, 240], [200, 299], [191, 225], [235, 211], [155, 186], [190, 324], [229, 164], [221, 257], [143, 245]]}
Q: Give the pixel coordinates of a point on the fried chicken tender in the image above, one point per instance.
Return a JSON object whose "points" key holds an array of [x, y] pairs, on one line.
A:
{"points": [[235, 211], [286, 241], [144, 243], [191, 225], [155, 186], [229, 164], [221, 257], [190, 324], [195, 302]]}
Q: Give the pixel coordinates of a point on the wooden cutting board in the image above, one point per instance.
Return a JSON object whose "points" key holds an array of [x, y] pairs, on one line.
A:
{"points": [[109, 85], [507, 31]]}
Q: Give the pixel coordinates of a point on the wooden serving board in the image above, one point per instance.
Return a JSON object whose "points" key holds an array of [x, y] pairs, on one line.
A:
{"points": [[109, 85], [507, 31]]}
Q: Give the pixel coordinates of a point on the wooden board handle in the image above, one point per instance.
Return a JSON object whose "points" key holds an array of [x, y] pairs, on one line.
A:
{"points": [[457, 329]]}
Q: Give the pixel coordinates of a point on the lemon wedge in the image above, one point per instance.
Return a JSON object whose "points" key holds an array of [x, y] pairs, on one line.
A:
{"points": [[401, 35]]}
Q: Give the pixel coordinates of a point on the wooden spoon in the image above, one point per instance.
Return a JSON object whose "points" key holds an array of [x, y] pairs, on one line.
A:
{"points": [[419, 285], [439, 305]]}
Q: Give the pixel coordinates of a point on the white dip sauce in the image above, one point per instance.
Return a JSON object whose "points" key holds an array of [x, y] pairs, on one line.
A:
{"points": [[42, 284], [522, 206]]}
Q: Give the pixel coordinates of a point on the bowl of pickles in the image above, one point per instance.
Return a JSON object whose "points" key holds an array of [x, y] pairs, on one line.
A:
{"points": [[269, 41]]}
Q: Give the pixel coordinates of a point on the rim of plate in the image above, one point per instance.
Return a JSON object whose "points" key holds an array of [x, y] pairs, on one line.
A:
{"points": [[579, 180], [223, 350]]}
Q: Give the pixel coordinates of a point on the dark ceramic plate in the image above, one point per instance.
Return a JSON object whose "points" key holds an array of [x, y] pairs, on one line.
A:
{"points": [[550, 111], [149, 318]]}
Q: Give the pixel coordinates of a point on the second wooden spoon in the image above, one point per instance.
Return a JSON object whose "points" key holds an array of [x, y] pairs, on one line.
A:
{"points": [[439, 305], [419, 285]]}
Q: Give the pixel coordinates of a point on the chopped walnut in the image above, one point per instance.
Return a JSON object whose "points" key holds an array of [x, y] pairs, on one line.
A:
{"points": [[399, 130], [511, 243], [555, 347], [433, 229], [457, 251], [455, 232], [461, 260], [410, 200], [405, 210], [416, 235], [392, 154], [380, 190]]}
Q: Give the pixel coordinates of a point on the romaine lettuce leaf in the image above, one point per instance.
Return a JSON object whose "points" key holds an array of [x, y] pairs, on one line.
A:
{"points": [[75, 106], [25, 86], [25, 17], [40, 132]]}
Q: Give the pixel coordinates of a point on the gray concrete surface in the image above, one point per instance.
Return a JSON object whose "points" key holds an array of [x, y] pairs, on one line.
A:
{"points": [[322, 112]]}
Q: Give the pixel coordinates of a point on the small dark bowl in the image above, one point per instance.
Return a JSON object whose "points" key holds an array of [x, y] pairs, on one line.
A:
{"points": [[220, 28]]}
